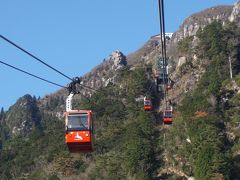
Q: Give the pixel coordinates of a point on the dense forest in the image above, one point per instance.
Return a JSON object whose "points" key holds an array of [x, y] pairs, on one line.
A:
{"points": [[203, 142], [208, 115]]}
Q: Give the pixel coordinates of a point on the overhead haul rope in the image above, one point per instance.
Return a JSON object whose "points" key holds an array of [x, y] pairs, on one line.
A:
{"points": [[33, 56], [163, 46], [41, 61], [30, 74], [45, 80], [149, 89]]}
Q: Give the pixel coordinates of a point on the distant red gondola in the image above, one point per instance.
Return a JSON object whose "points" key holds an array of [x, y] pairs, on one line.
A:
{"points": [[167, 117], [147, 105], [169, 86]]}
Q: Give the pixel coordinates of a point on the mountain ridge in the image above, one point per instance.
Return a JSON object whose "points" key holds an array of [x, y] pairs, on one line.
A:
{"points": [[129, 141]]}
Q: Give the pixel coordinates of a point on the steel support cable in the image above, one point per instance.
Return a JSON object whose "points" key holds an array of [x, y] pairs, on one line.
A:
{"points": [[149, 89], [163, 44], [163, 31], [161, 40], [33, 56], [161, 34], [45, 80], [36, 58], [165, 49], [30, 74], [88, 87], [164, 41]]}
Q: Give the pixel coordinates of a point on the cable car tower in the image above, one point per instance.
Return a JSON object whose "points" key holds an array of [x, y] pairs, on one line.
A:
{"points": [[162, 79]]}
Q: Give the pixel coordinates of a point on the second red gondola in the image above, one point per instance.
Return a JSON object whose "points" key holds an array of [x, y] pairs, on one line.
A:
{"points": [[147, 105], [167, 117]]}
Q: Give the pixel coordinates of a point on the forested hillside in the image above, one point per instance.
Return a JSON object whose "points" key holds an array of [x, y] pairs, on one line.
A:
{"points": [[204, 140], [124, 138], [202, 143]]}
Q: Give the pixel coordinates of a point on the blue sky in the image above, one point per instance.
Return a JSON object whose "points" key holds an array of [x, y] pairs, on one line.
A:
{"points": [[74, 36]]}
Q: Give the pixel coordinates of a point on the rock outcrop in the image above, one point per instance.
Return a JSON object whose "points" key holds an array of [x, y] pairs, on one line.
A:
{"points": [[235, 15], [118, 58], [105, 73], [199, 20], [23, 116]]}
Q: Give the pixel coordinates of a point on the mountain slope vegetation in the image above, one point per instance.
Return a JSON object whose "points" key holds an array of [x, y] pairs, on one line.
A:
{"points": [[203, 142], [123, 138], [199, 135]]}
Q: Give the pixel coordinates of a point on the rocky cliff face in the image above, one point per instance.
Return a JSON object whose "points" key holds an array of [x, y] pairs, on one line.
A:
{"points": [[199, 20], [186, 71], [105, 73], [23, 116], [235, 15]]}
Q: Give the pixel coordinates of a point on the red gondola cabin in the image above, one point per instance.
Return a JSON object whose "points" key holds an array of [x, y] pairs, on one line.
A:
{"points": [[79, 131], [169, 86], [167, 117], [147, 105]]}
